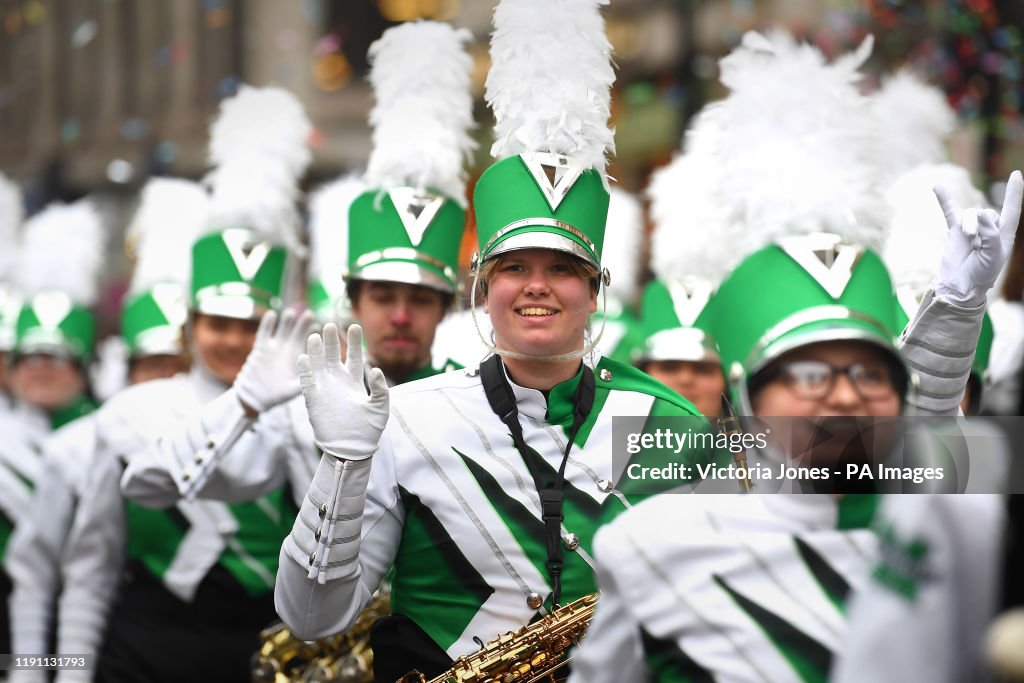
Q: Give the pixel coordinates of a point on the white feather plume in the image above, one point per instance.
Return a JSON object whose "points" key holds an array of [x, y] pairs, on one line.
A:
{"points": [[62, 249], [918, 229], [916, 119], [623, 241], [258, 146], [802, 150], [689, 214], [328, 226], [170, 215], [420, 72], [12, 212], [550, 80]]}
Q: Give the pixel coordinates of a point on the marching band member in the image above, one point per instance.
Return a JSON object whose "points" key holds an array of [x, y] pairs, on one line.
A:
{"points": [[197, 575], [152, 323], [402, 233], [689, 260], [57, 274], [482, 532], [754, 588]]}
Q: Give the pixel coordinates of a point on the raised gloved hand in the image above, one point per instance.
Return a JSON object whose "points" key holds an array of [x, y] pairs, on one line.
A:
{"points": [[268, 377], [347, 423], [978, 245]]}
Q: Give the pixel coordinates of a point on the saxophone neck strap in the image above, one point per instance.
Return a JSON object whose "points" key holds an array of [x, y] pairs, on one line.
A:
{"points": [[503, 403]]}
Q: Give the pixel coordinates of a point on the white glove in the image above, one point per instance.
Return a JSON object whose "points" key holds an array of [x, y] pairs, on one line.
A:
{"points": [[268, 377], [346, 422], [978, 245]]}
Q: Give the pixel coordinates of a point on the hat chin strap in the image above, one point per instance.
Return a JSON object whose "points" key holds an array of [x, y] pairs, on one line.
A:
{"points": [[508, 353]]}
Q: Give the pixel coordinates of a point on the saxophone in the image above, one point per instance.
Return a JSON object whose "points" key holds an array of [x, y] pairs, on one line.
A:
{"points": [[342, 658], [533, 653]]}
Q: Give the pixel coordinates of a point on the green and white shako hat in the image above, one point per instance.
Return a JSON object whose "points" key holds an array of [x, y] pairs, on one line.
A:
{"points": [[407, 226], [548, 188], [12, 213], [805, 209], [171, 213], [917, 239], [57, 274], [258, 146], [674, 322], [689, 252], [328, 246]]}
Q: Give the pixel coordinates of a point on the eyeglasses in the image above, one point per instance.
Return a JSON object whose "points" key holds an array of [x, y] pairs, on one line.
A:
{"points": [[813, 379]]}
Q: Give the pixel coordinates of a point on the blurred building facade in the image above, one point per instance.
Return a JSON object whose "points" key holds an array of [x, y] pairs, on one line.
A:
{"points": [[96, 96]]}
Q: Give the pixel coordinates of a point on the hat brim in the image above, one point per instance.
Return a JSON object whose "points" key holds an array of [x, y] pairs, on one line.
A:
{"points": [[405, 272], [542, 239]]}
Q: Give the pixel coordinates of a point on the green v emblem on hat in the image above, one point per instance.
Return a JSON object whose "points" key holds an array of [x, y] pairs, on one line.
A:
{"points": [[416, 209], [689, 299], [51, 308], [555, 174], [825, 257], [247, 255]]}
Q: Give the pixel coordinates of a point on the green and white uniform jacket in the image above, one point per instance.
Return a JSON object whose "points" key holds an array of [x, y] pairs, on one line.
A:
{"points": [[34, 553], [925, 612], [179, 544], [727, 588], [450, 504]]}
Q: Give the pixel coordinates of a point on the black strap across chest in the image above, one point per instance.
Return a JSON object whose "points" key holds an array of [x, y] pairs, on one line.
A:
{"points": [[503, 402]]}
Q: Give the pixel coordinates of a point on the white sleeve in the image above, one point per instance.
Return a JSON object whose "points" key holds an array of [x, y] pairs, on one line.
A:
{"points": [[612, 651], [343, 542], [924, 613], [220, 454], [91, 563], [33, 556], [939, 345]]}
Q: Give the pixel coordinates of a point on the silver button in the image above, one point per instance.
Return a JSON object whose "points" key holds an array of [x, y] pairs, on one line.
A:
{"points": [[605, 374], [210, 443], [201, 457], [187, 474], [534, 600], [323, 510], [312, 559], [316, 534], [604, 485], [571, 541], [735, 371]]}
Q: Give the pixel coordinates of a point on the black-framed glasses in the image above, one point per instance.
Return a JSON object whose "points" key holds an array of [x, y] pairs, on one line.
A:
{"points": [[815, 379]]}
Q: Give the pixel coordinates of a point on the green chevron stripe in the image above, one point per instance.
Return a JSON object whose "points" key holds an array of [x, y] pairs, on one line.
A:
{"points": [[669, 663], [262, 526], [836, 587], [154, 536], [577, 576], [20, 476], [6, 529], [433, 583], [857, 510], [808, 657]]}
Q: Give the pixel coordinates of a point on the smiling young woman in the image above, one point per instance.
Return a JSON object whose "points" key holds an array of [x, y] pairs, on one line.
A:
{"points": [[540, 302], [451, 508]]}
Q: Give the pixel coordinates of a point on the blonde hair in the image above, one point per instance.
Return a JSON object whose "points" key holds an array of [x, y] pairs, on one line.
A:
{"points": [[577, 266]]}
